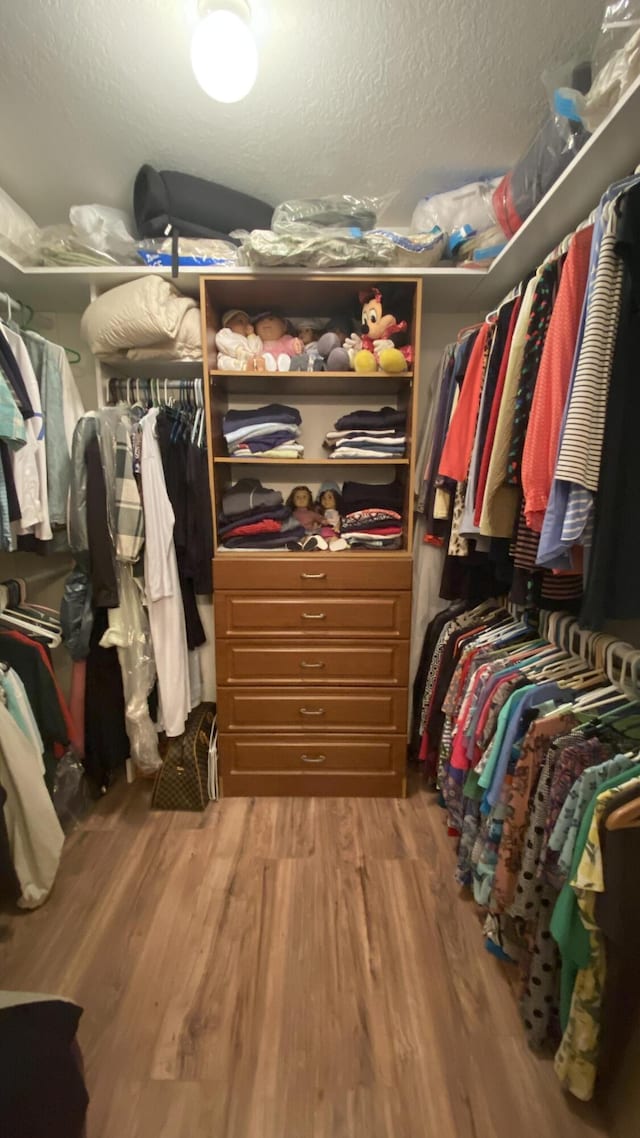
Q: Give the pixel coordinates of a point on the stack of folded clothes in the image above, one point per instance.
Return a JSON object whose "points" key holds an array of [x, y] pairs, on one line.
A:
{"points": [[369, 434], [254, 517], [270, 431], [372, 515]]}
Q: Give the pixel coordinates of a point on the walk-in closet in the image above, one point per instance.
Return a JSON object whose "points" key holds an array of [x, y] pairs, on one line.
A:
{"points": [[319, 589]]}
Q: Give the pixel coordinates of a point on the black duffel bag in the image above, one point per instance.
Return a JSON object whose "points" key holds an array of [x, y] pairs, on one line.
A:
{"points": [[167, 203]]}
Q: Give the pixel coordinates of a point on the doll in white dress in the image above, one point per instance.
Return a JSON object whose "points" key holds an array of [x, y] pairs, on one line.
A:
{"points": [[239, 349]]}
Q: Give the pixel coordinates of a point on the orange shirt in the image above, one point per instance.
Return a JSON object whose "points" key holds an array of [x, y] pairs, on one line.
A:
{"points": [[552, 385]]}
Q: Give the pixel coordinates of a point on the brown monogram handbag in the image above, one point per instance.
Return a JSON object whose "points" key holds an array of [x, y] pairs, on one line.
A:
{"points": [[182, 783]]}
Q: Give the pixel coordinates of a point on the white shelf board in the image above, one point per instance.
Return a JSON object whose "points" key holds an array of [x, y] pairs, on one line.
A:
{"points": [[68, 289], [611, 152]]}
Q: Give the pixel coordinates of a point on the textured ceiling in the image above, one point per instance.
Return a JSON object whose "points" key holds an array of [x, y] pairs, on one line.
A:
{"points": [[358, 96]]}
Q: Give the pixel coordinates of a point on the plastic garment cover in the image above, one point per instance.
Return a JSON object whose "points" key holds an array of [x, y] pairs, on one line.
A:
{"points": [[85, 429], [72, 798], [315, 247], [129, 632], [76, 614]]}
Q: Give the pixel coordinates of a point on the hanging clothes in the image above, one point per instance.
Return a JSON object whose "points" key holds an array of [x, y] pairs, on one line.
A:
{"points": [[162, 584]]}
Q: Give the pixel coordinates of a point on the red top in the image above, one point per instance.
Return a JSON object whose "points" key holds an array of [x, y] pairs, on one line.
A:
{"points": [[456, 453]]}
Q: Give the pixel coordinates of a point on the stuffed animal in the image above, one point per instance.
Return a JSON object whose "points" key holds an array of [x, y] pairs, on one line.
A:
{"points": [[239, 349], [278, 345], [383, 343]]}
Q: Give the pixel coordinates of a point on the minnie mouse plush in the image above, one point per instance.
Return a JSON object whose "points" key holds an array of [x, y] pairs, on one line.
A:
{"points": [[384, 339]]}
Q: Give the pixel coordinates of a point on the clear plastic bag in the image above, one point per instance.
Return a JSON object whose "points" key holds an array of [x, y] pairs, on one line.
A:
{"points": [[309, 246], [554, 146], [18, 231], [72, 797], [468, 208], [192, 252], [417, 250], [616, 65], [335, 211], [62, 245], [104, 229]]}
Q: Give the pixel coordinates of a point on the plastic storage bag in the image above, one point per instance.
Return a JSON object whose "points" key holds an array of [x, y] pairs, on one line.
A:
{"points": [[467, 208], [553, 148], [616, 65], [104, 229], [192, 252], [417, 250], [335, 211], [311, 246], [72, 797]]}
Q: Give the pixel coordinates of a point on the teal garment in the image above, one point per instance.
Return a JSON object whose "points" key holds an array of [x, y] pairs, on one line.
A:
{"points": [[19, 707], [13, 432], [504, 719], [566, 926], [47, 365]]}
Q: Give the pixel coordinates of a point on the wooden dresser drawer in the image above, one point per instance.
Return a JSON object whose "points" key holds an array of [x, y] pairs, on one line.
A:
{"points": [[298, 753], [362, 615], [314, 663], [322, 573], [330, 709]]}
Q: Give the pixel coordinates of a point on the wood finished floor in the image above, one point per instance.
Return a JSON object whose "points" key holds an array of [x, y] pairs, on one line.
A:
{"points": [[292, 968]]}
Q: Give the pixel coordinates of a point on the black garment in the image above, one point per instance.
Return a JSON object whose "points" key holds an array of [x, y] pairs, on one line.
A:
{"points": [[106, 742], [13, 376], [42, 1089], [493, 369], [431, 637], [618, 917], [42, 694], [362, 496], [387, 418], [104, 582], [9, 885], [173, 451], [199, 521], [613, 582], [12, 494]]}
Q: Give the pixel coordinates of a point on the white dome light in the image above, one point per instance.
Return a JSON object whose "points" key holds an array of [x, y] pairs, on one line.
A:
{"points": [[224, 56]]}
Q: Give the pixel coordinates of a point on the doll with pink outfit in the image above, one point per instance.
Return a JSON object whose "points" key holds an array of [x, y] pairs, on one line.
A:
{"points": [[277, 344]]}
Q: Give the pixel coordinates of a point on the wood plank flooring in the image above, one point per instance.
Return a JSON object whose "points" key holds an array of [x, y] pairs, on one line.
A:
{"points": [[283, 968]]}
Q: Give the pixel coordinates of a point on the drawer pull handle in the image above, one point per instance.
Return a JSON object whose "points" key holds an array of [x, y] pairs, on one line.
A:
{"points": [[308, 711], [305, 664], [311, 759], [313, 616], [313, 576]]}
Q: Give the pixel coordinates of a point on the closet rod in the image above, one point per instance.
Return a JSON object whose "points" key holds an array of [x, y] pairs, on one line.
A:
{"points": [[619, 660]]}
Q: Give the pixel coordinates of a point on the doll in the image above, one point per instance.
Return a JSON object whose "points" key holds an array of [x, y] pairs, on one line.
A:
{"points": [[277, 344], [329, 505], [239, 349], [384, 340], [300, 502]]}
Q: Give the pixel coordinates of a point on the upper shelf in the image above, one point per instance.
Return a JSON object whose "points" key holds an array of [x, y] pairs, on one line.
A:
{"points": [[611, 152]]}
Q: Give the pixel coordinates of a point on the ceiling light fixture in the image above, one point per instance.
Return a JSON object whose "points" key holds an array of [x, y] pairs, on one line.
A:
{"points": [[224, 55]]}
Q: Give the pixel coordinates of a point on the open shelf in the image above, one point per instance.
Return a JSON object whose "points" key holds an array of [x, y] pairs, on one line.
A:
{"points": [[153, 369], [309, 382], [257, 461], [611, 152]]}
